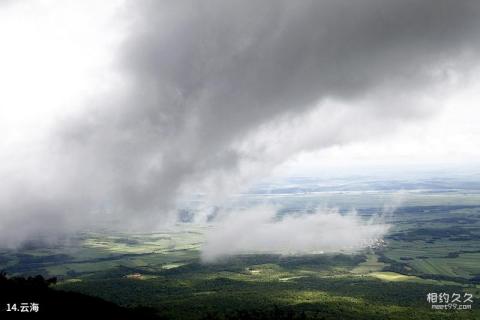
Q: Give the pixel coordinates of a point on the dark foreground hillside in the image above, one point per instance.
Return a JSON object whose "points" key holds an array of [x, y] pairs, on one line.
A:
{"points": [[20, 297]]}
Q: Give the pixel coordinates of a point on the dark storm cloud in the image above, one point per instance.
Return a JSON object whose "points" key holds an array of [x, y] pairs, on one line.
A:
{"points": [[205, 75]]}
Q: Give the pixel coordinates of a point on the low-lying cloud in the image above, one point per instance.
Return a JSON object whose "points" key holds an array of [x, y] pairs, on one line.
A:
{"points": [[260, 230]]}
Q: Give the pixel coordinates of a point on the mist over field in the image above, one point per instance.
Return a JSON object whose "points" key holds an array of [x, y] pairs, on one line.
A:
{"points": [[259, 230]]}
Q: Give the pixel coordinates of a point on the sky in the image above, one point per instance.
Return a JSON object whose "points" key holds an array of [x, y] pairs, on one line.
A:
{"points": [[115, 110]]}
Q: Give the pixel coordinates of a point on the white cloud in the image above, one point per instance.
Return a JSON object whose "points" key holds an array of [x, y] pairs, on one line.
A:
{"points": [[258, 230]]}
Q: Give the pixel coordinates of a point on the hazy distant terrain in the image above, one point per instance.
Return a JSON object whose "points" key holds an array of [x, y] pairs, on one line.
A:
{"points": [[433, 246]]}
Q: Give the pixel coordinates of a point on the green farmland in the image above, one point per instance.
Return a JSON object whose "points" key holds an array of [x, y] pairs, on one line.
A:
{"points": [[430, 248]]}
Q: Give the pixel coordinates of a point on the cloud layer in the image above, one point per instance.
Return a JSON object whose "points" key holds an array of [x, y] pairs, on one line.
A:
{"points": [[259, 230], [216, 93]]}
